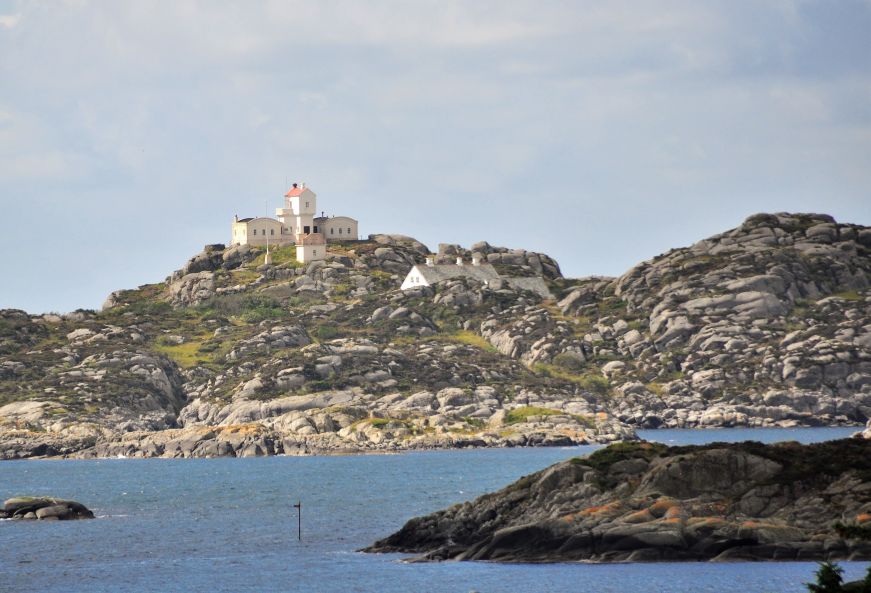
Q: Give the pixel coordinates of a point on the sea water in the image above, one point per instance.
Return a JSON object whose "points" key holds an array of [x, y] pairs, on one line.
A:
{"points": [[229, 525]]}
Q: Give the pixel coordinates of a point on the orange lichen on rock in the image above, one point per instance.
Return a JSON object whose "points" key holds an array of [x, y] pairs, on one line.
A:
{"points": [[642, 516], [676, 511], [601, 509], [662, 506], [863, 518], [710, 521]]}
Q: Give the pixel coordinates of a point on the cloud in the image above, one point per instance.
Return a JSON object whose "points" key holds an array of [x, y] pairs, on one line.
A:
{"points": [[9, 21], [566, 125]]}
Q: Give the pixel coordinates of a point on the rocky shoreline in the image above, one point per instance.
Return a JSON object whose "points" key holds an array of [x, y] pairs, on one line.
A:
{"points": [[641, 502], [256, 440]]}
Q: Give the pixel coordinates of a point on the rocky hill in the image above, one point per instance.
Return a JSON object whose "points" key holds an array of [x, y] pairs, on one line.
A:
{"points": [[767, 324], [647, 502]]}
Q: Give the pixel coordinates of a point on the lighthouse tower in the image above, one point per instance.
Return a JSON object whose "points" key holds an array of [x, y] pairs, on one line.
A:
{"points": [[297, 216]]}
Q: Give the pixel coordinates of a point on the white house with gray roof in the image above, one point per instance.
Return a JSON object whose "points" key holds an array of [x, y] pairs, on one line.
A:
{"points": [[432, 273]]}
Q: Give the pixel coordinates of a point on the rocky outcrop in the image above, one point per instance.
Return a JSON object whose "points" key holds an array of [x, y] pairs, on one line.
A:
{"points": [[646, 502], [764, 325], [44, 509]]}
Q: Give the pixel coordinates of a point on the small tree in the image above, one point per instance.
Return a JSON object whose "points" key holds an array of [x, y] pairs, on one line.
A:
{"points": [[829, 579], [865, 587]]}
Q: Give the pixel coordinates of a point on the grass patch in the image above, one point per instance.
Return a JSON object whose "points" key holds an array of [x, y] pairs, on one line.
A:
{"points": [[243, 276], [281, 256], [185, 355], [584, 421], [591, 381], [848, 295], [524, 413], [655, 388], [471, 339], [326, 331]]}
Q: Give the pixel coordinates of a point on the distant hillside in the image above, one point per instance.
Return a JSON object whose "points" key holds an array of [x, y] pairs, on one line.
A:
{"points": [[767, 324]]}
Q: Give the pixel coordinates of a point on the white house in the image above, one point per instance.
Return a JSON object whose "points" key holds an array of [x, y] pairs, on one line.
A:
{"points": [[296, 224], [432, 273]]}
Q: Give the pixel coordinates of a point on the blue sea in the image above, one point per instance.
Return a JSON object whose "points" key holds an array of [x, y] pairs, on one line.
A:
{"points": [[217, 525]]}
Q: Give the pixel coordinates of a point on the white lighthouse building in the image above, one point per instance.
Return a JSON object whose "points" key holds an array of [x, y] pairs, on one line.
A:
{"points": [[295, 224]]}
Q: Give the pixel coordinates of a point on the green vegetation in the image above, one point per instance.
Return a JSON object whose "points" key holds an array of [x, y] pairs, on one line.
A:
{"points": [[243, 276], [853, 531], [568, 362], [523, 414], [326, 331], [186, 355], [655, 388], [590, 380], [258, 308], [849, 295], [470, 338], [281, 256], [603, 459], [829, 579]]}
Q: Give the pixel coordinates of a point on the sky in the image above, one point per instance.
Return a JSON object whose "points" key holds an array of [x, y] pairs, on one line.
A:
{"points": [[600, 133]]}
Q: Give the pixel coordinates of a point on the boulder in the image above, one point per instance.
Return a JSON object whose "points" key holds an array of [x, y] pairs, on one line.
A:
{"points": [[32, 507]]}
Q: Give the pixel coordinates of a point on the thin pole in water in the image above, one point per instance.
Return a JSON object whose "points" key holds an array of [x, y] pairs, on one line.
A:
{"points": [[298, 507]]}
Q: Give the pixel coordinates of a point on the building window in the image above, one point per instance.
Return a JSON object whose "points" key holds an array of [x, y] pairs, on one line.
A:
{"points": [[331, 231], [305, 230], [255, 231], [340, 231], [316, 229], [349, 230], [306, 204], [271, 231], [314, 251]]}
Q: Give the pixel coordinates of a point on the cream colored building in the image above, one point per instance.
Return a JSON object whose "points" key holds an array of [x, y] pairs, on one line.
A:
{"points": [[258, 231], [296, 224], [337, 228], [311, 247]]}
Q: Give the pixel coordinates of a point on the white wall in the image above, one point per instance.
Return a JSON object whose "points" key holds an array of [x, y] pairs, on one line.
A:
{"points": [[309, 253], [413, 279]]}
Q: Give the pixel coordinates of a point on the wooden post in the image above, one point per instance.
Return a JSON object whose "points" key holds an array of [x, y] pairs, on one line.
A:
{"points": [[298, 507]]}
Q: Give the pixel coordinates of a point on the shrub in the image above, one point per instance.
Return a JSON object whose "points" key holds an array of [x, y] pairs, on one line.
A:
{"points": [[595, 383], [326, 331], [829, 579], [250, 308], [569, 362]]}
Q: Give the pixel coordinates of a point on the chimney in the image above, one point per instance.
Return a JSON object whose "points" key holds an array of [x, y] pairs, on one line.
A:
{"points": [[295, 186], [476, 259], [235, 218], [459, 260], [430, 260]]}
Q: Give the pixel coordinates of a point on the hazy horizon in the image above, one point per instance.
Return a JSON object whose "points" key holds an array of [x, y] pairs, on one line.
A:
{"points": [[600, 134]]}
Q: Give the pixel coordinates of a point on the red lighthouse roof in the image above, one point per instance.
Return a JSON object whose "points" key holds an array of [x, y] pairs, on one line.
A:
{"points": [[294, 191]]}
